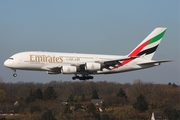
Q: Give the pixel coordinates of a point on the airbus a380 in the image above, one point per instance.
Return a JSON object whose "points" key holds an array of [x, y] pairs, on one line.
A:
{"points": [[83, 66]]}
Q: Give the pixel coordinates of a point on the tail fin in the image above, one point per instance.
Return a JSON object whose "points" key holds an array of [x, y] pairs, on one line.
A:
{"points": [[149, 45]]}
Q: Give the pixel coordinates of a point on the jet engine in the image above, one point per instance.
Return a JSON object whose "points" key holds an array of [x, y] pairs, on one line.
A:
{"points": [[92, 66], [68, 69]]}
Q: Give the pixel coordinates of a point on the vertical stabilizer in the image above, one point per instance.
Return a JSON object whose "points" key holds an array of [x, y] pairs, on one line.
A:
{"points": [[148, 46]]}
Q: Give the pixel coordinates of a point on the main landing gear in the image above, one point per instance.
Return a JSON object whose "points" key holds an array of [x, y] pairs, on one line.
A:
{"points": [[14, 75], [83, 77]]}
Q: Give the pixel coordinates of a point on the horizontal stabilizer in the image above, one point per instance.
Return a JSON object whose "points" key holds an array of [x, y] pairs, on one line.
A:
{"points": [[154, 62]]}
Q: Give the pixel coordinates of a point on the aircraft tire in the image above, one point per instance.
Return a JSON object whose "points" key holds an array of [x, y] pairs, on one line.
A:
{"points": [[14, 75], [74, 78], [91, 77]]}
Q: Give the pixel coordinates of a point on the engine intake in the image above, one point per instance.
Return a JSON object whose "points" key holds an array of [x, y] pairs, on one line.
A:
{"points": [[69, 69], [92, 66]]}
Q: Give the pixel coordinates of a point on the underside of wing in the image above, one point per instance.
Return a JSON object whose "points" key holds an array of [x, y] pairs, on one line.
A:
{"points": [[89, 67]]}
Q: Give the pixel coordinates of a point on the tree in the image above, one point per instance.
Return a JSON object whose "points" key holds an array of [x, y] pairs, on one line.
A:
{"points": [[30, 98], [83, 97], [103, 106], [48, 116], [97, 116], [91, 108], [94, 94], [105, 117], [124, 113], [49, 93], [174, 85], [141, 103], [67, 109], [172, 114], [2, 95], [78, 106], [169, 83], [38, 94], [121, 93], [70, 98], [35, 108], [33, 95], [1, 80]]}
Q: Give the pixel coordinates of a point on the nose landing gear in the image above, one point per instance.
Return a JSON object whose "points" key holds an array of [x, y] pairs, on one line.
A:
{"points": [[14, 75]]}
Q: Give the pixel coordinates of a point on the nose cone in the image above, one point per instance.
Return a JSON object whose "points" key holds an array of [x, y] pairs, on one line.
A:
{"points": [[8, 63]]}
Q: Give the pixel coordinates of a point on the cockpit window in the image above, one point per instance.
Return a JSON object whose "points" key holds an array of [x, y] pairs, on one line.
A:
{"points": [[11, 58]]}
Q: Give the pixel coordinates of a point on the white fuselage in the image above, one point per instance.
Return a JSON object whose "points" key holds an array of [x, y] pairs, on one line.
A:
{"points": [[41, 61]]}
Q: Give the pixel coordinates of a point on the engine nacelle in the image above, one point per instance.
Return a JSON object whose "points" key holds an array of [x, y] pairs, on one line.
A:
{"points": [[68, 69], [92, 66], [53, 72]]}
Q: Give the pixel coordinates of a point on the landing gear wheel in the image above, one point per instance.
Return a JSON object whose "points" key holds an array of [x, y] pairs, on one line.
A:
{"points": [[83, 77], [74, 78], [14, 74]]}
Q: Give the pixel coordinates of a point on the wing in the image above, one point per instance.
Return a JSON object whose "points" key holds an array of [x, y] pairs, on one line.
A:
{"points": [[107, 63], [81, 66], [114, 62]]}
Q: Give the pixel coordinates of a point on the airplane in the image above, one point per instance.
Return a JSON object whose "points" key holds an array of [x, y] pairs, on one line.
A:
{"points": [[83, 66]]}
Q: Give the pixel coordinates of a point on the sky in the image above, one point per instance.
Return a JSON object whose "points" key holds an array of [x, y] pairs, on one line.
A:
{"points": [[97, 27]]}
